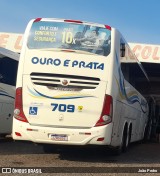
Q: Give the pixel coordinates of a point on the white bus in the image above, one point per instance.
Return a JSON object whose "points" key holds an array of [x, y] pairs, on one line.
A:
{"points": [[73, 89], [8, 74]]}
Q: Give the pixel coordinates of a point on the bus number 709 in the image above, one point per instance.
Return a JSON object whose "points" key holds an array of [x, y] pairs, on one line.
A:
{"points": [[63, 107]]}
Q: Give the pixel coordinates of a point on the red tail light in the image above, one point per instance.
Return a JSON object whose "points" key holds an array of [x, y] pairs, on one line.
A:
{"points": [[18, 111], [106, 115]]}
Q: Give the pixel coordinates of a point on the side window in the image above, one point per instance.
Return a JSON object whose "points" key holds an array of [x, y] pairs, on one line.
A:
{"points": [[128, 70], [132, 69], [125, 71], [8, 71], [127, 63]]}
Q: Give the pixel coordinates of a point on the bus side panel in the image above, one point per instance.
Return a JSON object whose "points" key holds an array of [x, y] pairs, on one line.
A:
{"points": [[113, 89], [126, 109], [116, 137]]}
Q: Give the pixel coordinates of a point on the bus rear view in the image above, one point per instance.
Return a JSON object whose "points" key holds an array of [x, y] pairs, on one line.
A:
{"points": [[61, 85]]}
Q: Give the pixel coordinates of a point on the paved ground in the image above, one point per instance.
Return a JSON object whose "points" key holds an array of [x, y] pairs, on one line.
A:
{"points": [[76, 159]]}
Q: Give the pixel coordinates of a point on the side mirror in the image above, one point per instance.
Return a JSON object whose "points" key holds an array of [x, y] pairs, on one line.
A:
{"points": [[122, 49]]}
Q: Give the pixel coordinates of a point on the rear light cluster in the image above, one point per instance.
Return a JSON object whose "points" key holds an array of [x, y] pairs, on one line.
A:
{"points": [[106, 115], [18, 111]]}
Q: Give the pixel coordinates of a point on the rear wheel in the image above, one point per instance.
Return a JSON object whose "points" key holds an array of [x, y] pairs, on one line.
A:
{"points": [[147, 132], [124, 143]]}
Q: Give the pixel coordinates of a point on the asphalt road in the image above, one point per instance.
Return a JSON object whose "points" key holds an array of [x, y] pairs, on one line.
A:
{"points": [[76, 159]]}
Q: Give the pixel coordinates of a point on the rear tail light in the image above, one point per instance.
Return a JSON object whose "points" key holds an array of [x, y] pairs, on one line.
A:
{"points": [[18, 111], [106, 115]]}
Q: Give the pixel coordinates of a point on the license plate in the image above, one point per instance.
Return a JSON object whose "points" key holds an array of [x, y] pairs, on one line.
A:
{"points": [[59, 137]]}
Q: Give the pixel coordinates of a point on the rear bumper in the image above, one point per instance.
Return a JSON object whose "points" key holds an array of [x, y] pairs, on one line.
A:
{"points": [[75, 136]]}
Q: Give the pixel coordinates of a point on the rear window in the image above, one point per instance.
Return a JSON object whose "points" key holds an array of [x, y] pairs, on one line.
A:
{"points": [[61, 35]]}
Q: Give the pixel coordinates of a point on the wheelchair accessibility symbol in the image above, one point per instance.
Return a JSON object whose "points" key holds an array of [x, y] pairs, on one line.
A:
{"points": [[33, 110]]}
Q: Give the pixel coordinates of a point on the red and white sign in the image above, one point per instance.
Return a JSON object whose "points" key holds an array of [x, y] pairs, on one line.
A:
{"points": [[144, 52], [11, 41]]}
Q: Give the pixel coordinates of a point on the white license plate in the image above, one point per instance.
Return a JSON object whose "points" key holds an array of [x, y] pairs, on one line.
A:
{"points": [[59, 137]]}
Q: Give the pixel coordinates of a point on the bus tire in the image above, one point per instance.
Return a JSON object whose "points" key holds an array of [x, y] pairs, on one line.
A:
{"points": [[147, 132], [129, 135], [124, 143], [125, 139]]}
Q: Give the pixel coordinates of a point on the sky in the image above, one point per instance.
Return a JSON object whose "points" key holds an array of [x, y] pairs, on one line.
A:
{"points": [[137, 20]]}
